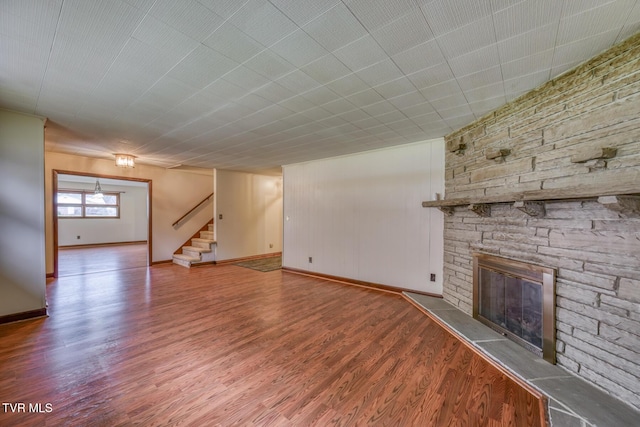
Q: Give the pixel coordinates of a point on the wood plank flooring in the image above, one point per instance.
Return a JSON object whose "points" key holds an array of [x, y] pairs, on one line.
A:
{"points": [[93, 259], [225, 345]]}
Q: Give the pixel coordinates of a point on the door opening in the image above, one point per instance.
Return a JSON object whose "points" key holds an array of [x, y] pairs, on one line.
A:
{"points": [[100, 230]]}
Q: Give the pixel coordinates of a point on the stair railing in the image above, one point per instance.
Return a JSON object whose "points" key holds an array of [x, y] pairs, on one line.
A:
{"points": [[192, 209]]}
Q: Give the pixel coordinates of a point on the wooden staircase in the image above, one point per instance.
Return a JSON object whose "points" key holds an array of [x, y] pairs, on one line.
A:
{"points": [[201, 249]]}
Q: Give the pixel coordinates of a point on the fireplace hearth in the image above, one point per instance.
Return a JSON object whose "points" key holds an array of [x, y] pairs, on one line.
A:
{"points": [[516, 299]]}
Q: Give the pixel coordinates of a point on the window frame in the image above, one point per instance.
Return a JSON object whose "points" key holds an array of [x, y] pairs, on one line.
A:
{"points": [[83, 205]]}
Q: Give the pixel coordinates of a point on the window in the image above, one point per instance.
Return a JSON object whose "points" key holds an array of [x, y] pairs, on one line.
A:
{"points": [[78, 204]]}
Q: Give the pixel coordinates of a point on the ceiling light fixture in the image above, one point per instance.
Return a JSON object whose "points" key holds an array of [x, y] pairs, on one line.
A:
{"points": [[125, 160]]}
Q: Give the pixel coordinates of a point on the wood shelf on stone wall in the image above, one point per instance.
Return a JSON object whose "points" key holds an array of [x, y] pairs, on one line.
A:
{"points": [[532, 202]]}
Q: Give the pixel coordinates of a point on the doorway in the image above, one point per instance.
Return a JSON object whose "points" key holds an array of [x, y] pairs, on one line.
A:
{"points": [[100, 222]]}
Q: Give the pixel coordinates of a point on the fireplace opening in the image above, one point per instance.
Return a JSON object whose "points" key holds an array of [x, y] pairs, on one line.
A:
{"points": [[516, 299]]}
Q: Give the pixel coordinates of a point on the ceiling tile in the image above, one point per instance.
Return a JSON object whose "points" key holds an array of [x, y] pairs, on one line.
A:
{"points": [[233, 43], [632, 25], [30, 21], [395, 88], [298, 82], [297, 103], [253, 102], [571, 53], [570, 8], [481, 78], [226, 89], [528, 64], [376, 13], [528, 43], [187, 16], [478, 60], [269, 64], [418, 110], [471, 37], [517, 86], [379, 108], [202, 66], [361, 53], [316, 113], [303, 11], [263, 22], [335, 28], [246, 78], [299, 48], [441, 90], [592, 22], [382, 72], [423, 56], [444, 16], [339, 106], [355, 116], [407, 100], [326, 69], [455, 100], [431, 76], [364, 98], [274, 92], [485, 92], [347, 85], [160, 36], [485, 106], [320, 95], [404, 33], [524, 16]]}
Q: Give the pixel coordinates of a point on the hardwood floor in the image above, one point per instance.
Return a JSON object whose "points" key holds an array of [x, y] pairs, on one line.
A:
{"points": [[92, 259], [226, 345]]}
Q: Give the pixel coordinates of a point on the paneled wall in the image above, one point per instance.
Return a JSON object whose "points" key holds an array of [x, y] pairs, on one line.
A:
{"points": [[595, 250], [359, 216]]}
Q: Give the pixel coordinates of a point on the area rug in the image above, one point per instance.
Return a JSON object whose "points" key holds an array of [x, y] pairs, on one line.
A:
{"points": [[262, 264]]}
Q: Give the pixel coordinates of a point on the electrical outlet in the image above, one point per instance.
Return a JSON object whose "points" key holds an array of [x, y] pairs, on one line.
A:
{"points": [[310, 260], [433, 277], [270, 245], [78, 237], [220, 216]]}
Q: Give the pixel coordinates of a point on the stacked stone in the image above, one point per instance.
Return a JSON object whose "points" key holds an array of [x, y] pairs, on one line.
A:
{"points": [[596, 250]]}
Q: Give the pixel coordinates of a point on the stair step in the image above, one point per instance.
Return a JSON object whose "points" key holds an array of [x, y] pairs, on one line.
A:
{"points": [[206, 235], [195, 249], [181, 262], [201, 240], [210, 227], [184, 257], [202, 243]]}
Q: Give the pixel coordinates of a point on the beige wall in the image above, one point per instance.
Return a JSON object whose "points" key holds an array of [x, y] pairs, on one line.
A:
{"points": [[22, 272], [251, 209], [174, 192]]}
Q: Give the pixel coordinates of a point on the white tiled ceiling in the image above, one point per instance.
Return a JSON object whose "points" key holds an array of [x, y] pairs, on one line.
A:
{"points": [[254, 84]]}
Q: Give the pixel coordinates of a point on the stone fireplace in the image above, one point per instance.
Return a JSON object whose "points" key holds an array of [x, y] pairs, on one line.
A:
{"points": [[516, 299], [553, 179]]}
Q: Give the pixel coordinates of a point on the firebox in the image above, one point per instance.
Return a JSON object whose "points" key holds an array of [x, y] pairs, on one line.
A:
{"points": [[517, 299]]}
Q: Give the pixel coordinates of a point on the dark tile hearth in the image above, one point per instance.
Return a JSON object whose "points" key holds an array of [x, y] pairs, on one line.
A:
{"points": [[572, 401]]}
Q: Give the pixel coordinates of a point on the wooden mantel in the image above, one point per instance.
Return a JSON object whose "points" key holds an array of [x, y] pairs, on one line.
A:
{"points": [[532, 202]]}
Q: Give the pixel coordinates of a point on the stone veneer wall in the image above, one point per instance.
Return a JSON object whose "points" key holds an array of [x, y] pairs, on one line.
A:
{"points": [[595, 250]]}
